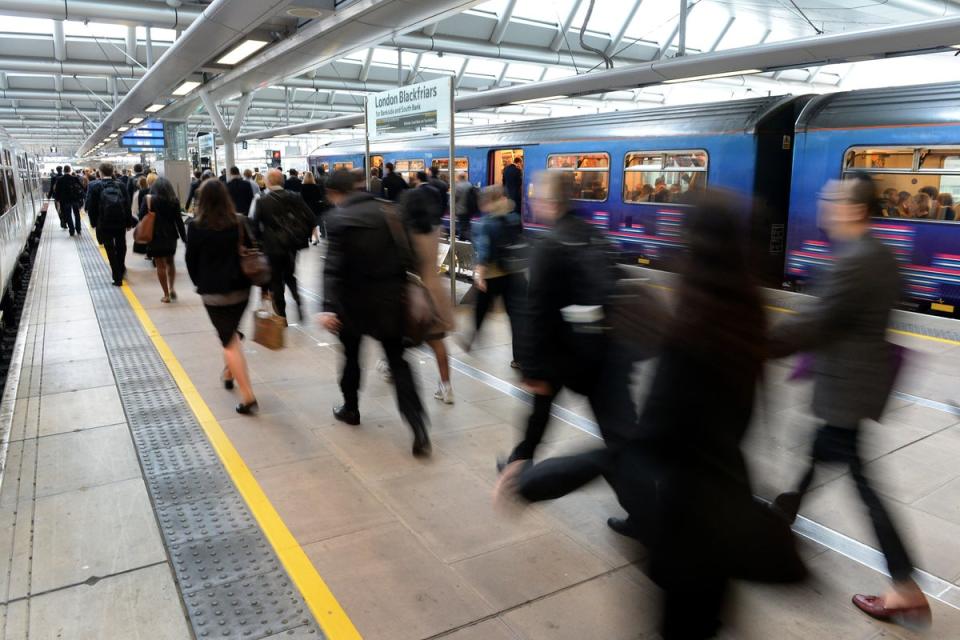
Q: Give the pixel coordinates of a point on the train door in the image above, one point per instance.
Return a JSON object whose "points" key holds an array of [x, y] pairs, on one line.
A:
{"points": [[499, 160], [376, 162]]}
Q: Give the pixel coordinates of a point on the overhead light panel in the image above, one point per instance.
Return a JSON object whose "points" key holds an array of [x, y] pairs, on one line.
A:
{"points": [[186, 88], [135, 120], [711, 76], [154, 108], [320, 131], [123, 128], [539, 99], [243, 51]]}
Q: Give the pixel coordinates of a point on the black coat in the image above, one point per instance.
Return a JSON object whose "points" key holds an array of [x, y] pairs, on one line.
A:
{"points": [[66, 189], [363, 277], [241, 193], [293, 184], [273, 221], [513, 184], [393, 186], [213, 258], [315, 196], [167, 227]]}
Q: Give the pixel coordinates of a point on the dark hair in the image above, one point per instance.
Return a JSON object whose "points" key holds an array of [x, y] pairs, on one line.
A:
{"points": [[342, 181], [197, 174], [389, 167], [138, 168], [292, 172], [517, 160], [215, 208], [163, 189], [234, 171], [422, 176], [434, 170], [206, 175], [863, 190], [419, 209], [59, 169], [66, 168], [933, 192], [106, 169]]}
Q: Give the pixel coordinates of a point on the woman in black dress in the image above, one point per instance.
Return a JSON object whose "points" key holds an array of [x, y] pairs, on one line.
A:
{"points": [[167, 227], [314, 194], [213, 261]]}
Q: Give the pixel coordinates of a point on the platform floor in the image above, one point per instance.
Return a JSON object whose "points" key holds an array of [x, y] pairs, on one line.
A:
{"points": [[411, 549]]}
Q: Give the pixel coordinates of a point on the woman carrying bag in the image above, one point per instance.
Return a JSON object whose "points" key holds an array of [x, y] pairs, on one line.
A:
{"points": [[215, 242], [159, 229]]}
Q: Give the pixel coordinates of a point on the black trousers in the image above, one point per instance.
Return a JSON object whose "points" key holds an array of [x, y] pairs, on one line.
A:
{"points": [[115, 243], [70, 216], [408, 401], [283, 274], [840, 445], [512, 288]]}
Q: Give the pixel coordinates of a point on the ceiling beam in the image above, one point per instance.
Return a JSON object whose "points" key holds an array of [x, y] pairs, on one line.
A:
{"points": [[622, 31], [503, 21], [128, 12], [564, 26]]}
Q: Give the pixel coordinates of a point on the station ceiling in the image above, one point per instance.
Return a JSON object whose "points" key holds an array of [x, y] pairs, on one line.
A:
{"points": [[60, 78]]}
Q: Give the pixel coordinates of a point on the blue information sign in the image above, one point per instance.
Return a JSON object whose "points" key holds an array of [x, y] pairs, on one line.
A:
{"points": [[146, 137]]}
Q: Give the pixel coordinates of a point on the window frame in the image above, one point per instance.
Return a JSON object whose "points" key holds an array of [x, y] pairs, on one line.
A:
{"points": [[663, 169], [586, 170], [466, 160]]}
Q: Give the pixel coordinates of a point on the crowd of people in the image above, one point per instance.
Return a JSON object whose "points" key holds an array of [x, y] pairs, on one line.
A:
{"points": [[675, 463], [929, 203]]}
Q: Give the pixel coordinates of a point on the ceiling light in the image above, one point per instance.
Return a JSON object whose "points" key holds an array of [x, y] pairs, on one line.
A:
{"points": [[711, 76], [538, 99], [242, 51], [154, 108], [123, 128], [135, 120], [320, 131], [186, 88]]}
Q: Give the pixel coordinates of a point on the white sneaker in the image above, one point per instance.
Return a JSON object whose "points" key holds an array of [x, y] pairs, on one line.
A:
{"points": [[444, 393], [383, 368]]}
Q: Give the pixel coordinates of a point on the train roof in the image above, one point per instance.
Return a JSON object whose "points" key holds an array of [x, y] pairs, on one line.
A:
{"points": [[732, 116], [929, 104]]}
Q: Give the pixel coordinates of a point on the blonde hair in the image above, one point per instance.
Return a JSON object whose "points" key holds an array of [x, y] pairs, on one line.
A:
{"points": [[151, 178], [308, 178]]}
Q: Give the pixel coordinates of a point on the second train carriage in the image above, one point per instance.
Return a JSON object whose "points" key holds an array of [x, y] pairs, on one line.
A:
{"points": [[21, 198], [743, 146]]}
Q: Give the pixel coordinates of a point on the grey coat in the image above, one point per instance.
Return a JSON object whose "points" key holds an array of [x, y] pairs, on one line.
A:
{"points": [[845, 329]]}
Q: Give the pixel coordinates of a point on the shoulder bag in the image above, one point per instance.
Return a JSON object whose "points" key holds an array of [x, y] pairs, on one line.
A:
{"points": [[253, 263], [143, 234]]}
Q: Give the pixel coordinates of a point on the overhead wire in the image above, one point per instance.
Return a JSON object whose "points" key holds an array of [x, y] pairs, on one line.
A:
{"points": [[607, 60]]}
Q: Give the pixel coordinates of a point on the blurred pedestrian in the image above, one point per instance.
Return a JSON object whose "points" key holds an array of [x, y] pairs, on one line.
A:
{"points": [[167, 227], [376, 183], [213, 261], [363, 289], [315, 196], [854, 370], [513, 183], [393, 184], [108, 207], [467, 205]]}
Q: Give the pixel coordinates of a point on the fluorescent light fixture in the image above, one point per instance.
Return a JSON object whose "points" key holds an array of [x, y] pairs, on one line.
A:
{"points": [[135, 120], [154, 108], [123, 128], [539, 99], [186, 88], [320, 131], [243, 51], [711, 76]]}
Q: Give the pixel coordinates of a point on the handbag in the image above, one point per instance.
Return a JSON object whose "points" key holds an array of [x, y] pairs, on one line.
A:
{"points": [[253, 263], [268, 328], [419, 313], [143, 233]]}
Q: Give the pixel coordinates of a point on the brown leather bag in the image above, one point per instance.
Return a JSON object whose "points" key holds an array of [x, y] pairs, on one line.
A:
{"points": [[252, 261], [420, 315], [143, 234]]}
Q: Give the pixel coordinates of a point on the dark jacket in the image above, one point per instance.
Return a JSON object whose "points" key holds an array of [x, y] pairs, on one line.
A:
{"points": [[315, 195], [513, 184], [53, 183], [443, 189], [132, 185], [68, 185], [241, 194], [92, 204], [167, 227], [393, 186], [376, 186], [192, 193], [845, 327], [213, 258], [293, 184], [273, 221], [363, 277]]}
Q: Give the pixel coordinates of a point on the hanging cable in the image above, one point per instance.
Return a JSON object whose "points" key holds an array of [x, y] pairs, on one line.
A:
{"points": [[607, 60]]}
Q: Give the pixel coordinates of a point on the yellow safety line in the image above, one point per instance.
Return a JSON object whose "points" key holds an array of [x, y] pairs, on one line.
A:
{"points": [[327, 611]]}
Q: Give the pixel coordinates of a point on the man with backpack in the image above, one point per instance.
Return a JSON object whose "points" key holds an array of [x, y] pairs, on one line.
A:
{"points": [[283, 223], [108, 206], [69, 193]]}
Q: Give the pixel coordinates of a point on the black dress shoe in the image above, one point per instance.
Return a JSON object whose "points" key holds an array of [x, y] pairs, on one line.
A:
{"points": [[117, 284], [248, 408], [421, 442], [623, 526], [343, 413], [787, 505]]}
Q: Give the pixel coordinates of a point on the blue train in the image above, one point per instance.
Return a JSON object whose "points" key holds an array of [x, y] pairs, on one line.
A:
{"points": [[634, 171]]}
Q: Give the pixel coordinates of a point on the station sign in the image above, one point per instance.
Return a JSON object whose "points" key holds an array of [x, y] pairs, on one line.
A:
{"points": [[417, 108], [148, 135]]}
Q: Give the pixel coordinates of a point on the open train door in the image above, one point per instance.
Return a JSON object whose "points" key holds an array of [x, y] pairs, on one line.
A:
{"points": [[497, 161]]}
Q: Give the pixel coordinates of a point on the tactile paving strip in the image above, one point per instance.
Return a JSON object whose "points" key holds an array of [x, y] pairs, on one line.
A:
{"points": [[230, 578]]}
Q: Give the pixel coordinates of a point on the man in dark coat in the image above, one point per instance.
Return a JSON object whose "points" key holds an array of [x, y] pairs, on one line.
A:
{"points": [[364, 280], [513, 182], [108, 207], [69, 193], [293, 183], [393, 184], [50, 196], [240, 191]]}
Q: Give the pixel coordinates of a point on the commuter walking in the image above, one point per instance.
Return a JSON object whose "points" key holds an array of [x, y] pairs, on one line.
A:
{"points": [[108, 206], [314, 194], [283, 222], [443, 188], [240, 192], [192, 193], [682, 476], [213, 262], [70, 193], [167, 227], [467, 205], [419, 219], [364, 280], [854, 371], [393, 184], [497, 273], [54, 177], [293, 183], [134, 183], [376, 183], [513, 183]]}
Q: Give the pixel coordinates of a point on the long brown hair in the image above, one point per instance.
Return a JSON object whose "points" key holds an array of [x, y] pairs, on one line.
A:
{"points": [[215, 208]]}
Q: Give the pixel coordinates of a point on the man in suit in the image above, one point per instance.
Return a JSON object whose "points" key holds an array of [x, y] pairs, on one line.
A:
{"points": [[70, 193], [393, 184], [513, 182], [363, 282], [853, 373], [293, 183]]}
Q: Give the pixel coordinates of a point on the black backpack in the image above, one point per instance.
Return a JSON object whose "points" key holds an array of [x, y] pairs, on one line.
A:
{"points": [[473, 202], [77, 192], [114, 209], [294, 226]]}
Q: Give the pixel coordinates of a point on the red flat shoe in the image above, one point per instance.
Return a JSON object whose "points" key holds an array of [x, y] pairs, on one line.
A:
{"points": [[917, 617]]}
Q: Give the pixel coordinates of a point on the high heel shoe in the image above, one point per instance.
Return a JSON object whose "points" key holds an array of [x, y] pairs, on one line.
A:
{"points": [[248, 408], [227, 382]]}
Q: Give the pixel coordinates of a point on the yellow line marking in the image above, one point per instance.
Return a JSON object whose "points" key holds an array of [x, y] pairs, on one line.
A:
{"points": [[327, 611]]}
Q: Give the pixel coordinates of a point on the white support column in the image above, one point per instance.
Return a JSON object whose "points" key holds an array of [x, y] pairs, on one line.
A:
{"points": [[458, 80], [112, 89], [415, 68], [367, 62], [228, 138], [682, 28], [132, 43], [59, 41], [149, 48], [503, 22]]}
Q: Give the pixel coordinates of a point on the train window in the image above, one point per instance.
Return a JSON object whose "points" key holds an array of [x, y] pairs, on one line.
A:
{"points": [[409, 168], [4, 201], [914, 182], [443, 164], [11, 187], [664, 176], [591, 173]]}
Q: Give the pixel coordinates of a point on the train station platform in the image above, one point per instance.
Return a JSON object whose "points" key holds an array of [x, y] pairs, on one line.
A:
{"points": [[135, 502]]}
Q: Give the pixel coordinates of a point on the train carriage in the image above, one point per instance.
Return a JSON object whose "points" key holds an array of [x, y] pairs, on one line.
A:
{"points": [[20, 202]]}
